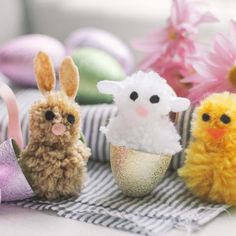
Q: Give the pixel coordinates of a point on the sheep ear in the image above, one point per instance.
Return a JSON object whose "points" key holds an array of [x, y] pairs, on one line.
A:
{"points": [[69, 77], [109, 87], [44, 73], [178, 104]]}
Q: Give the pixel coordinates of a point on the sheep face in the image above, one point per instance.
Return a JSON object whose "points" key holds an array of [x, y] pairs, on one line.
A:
{"points": [[142, 99], [144, 96]]}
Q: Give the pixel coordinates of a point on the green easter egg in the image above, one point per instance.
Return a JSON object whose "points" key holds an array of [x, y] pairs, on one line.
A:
{"points": [[95, 65]]}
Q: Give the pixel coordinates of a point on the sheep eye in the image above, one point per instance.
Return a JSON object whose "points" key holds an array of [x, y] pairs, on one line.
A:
{"points": [[225, 119], [133, 96], [154, 99], [71, 119], [49, 115], [206, 117]]}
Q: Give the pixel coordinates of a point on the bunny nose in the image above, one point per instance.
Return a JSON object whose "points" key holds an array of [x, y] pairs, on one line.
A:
{"points": [[142, 111], [58, 129]]}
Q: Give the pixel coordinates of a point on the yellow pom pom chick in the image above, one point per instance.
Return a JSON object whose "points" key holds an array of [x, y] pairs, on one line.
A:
{"points": [[210, 165]]}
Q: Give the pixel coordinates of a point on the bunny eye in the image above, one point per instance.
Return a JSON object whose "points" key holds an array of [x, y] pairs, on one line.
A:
{"points": [[71, 119], [206, 117], [154, 99], [225, 119], [49, 115], [133, 96]]}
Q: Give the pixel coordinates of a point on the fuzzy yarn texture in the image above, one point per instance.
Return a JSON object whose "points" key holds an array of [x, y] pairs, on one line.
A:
{"points": [[144, 101], [55, 165], [55, 160], [210, 165]]}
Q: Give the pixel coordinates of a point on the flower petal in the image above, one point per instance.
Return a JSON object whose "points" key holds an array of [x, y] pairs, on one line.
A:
{"points": [[221, 48], [233, 28], [202, 70], [204, 89], [207, 17]]}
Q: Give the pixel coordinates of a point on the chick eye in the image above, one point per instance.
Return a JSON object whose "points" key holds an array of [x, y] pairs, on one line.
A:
{"points": [[154, 99], [206, 117], [225, 119], [133, 96], [49, 115], [71, 119]]}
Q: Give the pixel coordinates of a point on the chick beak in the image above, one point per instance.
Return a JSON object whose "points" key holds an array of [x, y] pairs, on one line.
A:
{"points": [[216, 133]]}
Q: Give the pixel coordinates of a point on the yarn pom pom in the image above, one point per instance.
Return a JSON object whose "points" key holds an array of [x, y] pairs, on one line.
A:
{"points": [[210, 165], [144, 101]]}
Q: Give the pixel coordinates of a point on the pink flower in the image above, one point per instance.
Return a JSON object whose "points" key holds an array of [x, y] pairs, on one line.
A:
{"points": [[170, 48], [174, 73], [217, 72]]}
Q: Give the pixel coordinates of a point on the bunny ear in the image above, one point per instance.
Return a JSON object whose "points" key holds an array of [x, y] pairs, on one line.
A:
{"points": [[109, 87], [44, 73], [178, 104], [69, 77]]}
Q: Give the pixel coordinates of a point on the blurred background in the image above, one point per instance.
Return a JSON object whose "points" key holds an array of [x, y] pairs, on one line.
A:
{"points": [[60, 27], [127, 19]]}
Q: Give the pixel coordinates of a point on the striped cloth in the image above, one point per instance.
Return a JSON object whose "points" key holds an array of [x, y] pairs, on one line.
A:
{"points": [[169, 206], [93, 117]]}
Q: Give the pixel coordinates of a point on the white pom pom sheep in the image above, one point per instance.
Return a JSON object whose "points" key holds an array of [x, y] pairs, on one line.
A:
{"points": [[144, 101]]}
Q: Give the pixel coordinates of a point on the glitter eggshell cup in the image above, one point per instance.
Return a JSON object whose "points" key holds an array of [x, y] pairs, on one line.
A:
{"points": [[137, 173]]}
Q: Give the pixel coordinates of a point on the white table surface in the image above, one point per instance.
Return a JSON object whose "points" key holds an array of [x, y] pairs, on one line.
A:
{"points": [[15, 221]]}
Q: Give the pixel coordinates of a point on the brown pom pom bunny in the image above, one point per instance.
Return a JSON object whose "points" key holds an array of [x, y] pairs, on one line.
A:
{"points": [[55, 159]]}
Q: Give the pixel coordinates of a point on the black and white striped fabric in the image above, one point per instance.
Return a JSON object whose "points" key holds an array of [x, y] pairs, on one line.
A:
{"points": [[93, 117], [183, 125], [169, 206]]}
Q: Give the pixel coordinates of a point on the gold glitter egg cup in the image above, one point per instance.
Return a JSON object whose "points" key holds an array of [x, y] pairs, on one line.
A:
{"points": [[137, 173]]}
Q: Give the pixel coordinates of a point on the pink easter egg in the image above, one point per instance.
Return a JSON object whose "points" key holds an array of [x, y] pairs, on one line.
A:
{"points": [[103, 40], [17, 56]]}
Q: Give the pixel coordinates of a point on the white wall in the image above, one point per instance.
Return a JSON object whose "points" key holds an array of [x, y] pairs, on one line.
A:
{"points": [[11, 19], [126, 18]]}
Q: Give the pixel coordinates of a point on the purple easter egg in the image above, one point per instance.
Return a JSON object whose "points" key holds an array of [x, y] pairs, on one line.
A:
{"points": [[103, 40], [17, 56]]}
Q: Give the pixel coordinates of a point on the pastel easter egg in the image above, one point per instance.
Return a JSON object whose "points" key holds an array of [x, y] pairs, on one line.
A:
{"points": [[95, 65], [17, 56], [103, 40]]}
